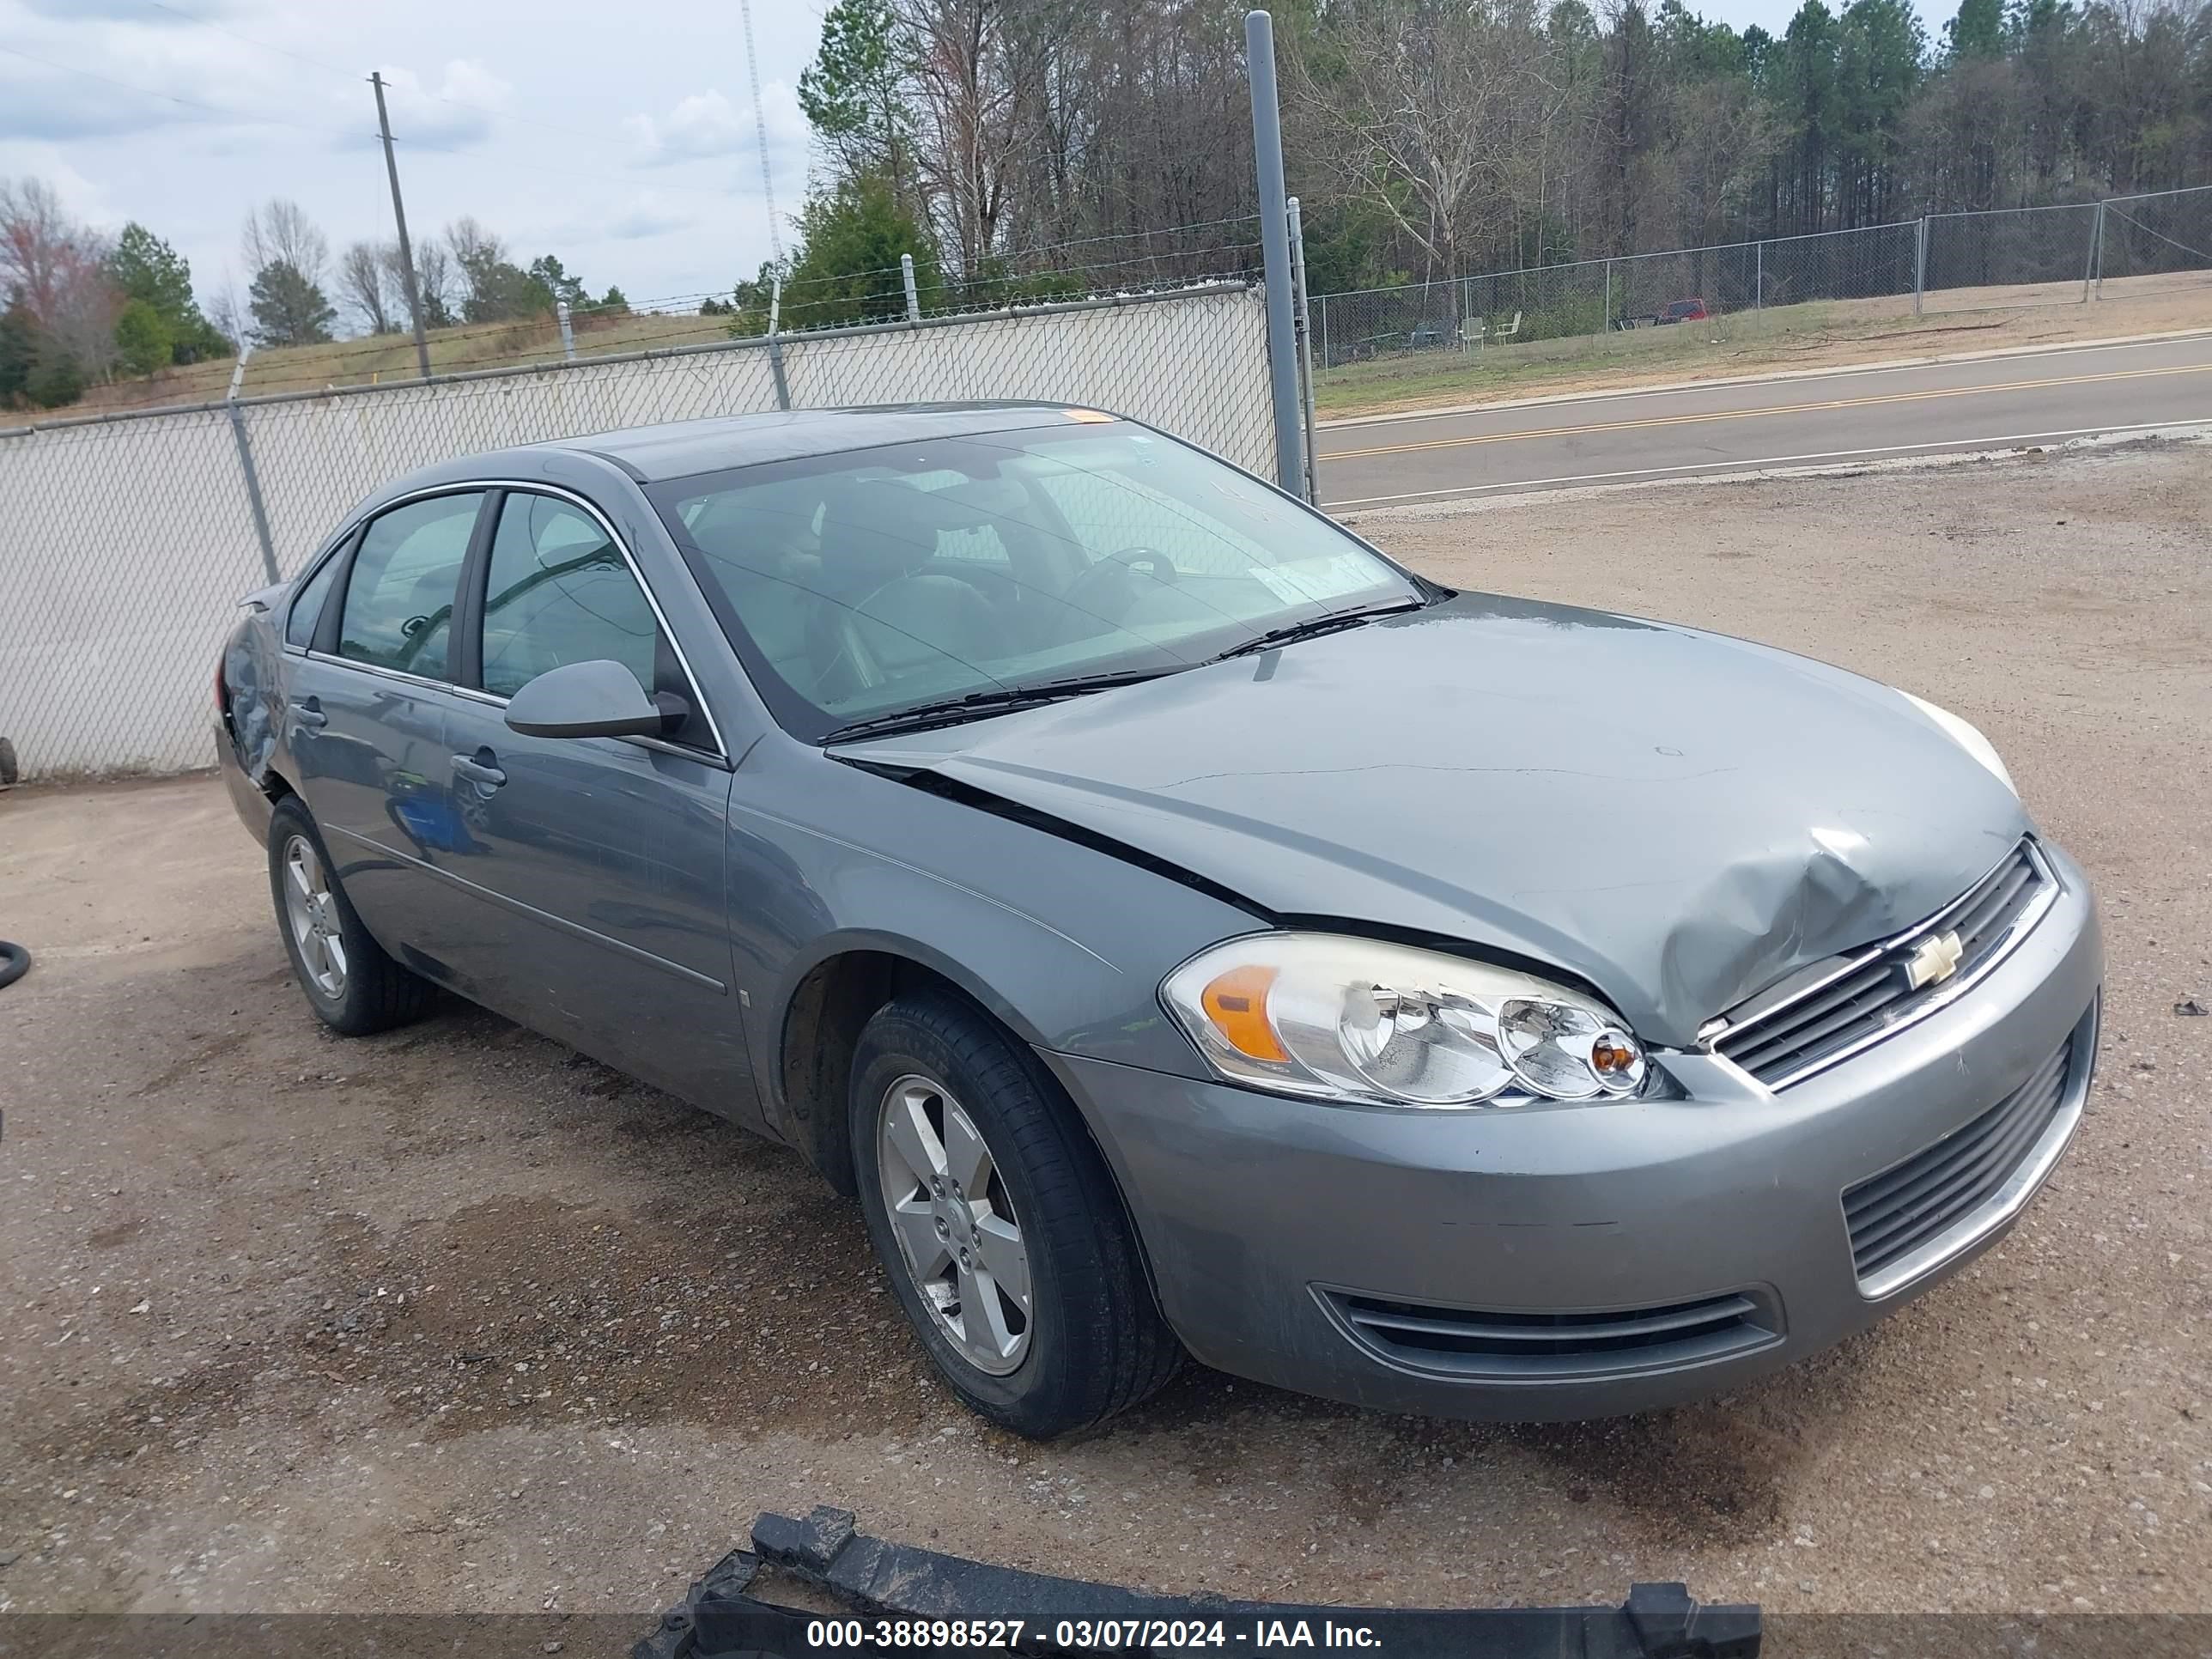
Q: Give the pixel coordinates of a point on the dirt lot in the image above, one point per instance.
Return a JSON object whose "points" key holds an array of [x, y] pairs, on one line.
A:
{"points": [[450, 1319]]}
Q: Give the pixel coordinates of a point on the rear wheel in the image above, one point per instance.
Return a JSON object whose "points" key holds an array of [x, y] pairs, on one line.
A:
{"points": [[999, 1224], [351, 984]]}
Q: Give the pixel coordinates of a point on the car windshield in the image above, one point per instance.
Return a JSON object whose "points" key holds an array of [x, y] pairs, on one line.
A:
{"points": [[859, 585]]}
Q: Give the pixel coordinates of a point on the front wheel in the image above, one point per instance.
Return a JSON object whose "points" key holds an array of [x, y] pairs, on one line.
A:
{"points": [[999, 1224], [350, 983]]}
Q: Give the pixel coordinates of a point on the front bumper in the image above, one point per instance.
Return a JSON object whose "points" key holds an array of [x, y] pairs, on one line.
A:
{"points": [[1270, 1224]]}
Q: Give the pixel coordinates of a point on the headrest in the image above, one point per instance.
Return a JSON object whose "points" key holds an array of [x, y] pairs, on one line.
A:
{"points": [[875, 529]]}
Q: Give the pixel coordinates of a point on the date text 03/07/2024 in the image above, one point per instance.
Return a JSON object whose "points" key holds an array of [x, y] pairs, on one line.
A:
{"points": [[1088, 1634]]}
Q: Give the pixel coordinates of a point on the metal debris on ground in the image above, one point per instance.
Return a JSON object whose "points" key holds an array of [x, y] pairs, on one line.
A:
{"points": [[896, 1590]]}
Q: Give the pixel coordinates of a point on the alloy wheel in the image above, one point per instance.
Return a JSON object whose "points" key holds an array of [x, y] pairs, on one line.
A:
{"points": [[310, 910], [957, 1233]]}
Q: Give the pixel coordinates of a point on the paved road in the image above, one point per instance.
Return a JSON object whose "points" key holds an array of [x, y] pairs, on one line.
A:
{"points": [[1861, 415]]}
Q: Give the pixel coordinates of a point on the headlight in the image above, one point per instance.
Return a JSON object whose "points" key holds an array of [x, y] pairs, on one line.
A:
{"points": [[1966, 735], [1353, 1019]]}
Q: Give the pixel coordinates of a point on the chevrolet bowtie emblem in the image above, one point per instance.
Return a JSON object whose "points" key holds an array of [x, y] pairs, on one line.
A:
{"points": [[1934, 959]]}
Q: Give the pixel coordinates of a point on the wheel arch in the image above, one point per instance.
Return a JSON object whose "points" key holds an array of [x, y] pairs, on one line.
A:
{"points": [[818, 1024]]}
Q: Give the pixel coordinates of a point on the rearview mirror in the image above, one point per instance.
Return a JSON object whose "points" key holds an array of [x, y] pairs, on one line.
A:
{"points": [[598, 699]]}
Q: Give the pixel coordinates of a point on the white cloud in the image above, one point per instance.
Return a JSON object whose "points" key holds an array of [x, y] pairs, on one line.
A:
{"points": [[707, 125], [522, 127], [460, 107], [704, 125]]}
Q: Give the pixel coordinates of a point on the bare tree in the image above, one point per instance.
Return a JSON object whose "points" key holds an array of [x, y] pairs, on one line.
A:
{"points": [[59, 269], [1414, 98], [280, 232], [363, 275], [434, 282], [966, 129], [226, 311]]}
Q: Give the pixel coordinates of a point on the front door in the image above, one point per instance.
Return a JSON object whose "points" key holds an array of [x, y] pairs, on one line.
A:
{"points": [[366, 718], [597, 862]]}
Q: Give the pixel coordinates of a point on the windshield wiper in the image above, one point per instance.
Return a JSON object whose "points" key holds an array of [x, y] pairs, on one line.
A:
{"points": [[1328, 621], [993, 700]]}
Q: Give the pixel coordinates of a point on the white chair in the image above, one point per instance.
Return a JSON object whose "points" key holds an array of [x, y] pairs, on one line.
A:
{"points": [[1470, 331], [1506, 331]]}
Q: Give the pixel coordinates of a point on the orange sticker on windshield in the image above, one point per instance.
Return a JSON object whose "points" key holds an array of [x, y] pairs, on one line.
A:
{"points": [[1088, 415]]}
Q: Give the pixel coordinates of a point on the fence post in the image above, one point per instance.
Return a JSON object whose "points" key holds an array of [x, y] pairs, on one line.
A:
{"points": [[245, 465], [1275, 243], [1608, 329], [2093, 277], [775, 341], [1919, 264], [913, 299], [1759, 278], [568, 334], [1326, 360], [1298, 234]]}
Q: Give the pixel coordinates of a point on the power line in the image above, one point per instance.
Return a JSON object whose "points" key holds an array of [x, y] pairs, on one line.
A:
{"points": [[167, 97]]}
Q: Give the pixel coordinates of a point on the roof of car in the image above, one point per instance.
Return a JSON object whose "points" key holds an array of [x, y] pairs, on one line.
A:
{"points": [[683, 448]]}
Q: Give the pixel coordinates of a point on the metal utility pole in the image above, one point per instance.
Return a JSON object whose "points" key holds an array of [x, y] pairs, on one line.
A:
{"points": [[248, 471], [1275, 248], [399, 219], [1305, 351]]}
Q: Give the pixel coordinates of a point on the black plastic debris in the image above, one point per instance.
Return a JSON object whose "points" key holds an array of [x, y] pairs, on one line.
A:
{"points": [[2190, 1007], [895, 1591]]}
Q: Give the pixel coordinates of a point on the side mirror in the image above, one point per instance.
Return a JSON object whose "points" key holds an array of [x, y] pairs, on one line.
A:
{"points": [[598, 699]]}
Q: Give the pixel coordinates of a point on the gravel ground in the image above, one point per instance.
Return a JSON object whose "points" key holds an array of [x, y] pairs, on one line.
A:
{"points": [[453, 1319]]}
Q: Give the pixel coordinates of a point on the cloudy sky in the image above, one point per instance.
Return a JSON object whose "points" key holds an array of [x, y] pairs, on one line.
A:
{"points": [[618, 134]]}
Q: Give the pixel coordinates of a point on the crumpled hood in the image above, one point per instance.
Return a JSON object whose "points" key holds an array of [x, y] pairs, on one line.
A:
{"points": [[1678, 817]]}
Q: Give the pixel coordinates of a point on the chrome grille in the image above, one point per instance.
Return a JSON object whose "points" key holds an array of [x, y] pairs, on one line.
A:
{"points": [[1861, 997], [1515, 1345], [1897, 1213]]}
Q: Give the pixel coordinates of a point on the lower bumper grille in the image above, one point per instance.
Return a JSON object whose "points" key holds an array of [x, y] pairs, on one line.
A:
{"points": [[1901, 1211], [1518, 1346]]}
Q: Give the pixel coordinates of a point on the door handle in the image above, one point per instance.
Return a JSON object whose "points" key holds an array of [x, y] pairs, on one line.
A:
{"points": [[481, 773], [308, 711]]}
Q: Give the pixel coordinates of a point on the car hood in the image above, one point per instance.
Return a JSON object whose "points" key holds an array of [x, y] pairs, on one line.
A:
{"points": [[1677, 817]]}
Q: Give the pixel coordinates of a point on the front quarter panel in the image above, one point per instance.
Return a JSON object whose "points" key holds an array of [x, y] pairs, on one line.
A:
{"points": [[1065, 944]]}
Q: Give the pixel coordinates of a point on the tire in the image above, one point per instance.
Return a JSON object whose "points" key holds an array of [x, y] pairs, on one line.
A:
{"points": [[15, 962], [354, 988], [1091, 1342]]}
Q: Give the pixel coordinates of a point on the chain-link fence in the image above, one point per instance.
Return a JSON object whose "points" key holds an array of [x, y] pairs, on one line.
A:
{"points": [[2152, 245], [2008, 258], [126, 542], [1946, 262]]}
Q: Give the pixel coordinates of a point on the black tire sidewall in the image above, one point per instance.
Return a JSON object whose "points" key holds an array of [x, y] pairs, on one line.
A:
{"points": [[906, 1038]]}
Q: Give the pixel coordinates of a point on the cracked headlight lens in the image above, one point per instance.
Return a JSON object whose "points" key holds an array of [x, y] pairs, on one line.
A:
{"points": [[1354, 1019]]}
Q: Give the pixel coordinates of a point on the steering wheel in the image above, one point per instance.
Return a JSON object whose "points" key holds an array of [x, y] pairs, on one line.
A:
{"points": [[1108, 581]]}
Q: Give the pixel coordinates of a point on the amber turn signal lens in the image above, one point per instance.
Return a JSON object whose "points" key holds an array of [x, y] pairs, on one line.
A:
{"points": [[1609, 1057], [1237, 1005]]}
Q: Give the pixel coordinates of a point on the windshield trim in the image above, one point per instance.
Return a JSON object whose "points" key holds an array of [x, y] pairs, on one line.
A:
{"points": [[791, 710]]}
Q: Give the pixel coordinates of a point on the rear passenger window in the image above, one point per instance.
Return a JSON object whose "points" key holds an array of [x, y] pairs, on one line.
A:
{"points": [[307, 608], [400, 599], [559, 592]]}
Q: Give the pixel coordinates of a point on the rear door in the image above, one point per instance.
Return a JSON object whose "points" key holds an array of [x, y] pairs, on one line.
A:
{"points": [[596, 863], [365, 718]]}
